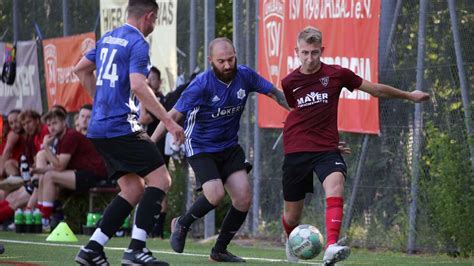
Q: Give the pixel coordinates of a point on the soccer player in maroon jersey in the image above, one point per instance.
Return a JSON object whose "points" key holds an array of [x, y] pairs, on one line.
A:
{"points": [[311, 137]]}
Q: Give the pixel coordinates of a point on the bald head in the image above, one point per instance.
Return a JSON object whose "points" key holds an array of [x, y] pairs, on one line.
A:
{"points": [[222, 59], [221, 43]]}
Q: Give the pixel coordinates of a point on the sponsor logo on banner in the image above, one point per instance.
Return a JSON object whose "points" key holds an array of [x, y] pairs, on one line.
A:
{"points": [[50, 57], [273, 21]]}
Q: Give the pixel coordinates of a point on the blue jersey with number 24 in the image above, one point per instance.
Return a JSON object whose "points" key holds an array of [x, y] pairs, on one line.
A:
{"points": [[118, 54]]}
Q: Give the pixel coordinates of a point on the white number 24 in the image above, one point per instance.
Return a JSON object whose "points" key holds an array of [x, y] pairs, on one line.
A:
{"points": [[110, 72]]}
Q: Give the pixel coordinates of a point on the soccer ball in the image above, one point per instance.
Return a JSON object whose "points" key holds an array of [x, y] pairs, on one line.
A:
{"points": [[305, 242]]}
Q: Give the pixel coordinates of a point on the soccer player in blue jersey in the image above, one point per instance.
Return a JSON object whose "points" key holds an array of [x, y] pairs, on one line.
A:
{"points": [[122, 63], [213, 104]]}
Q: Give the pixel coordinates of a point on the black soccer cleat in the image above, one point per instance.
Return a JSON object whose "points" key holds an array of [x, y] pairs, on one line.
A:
{"points": [[178, 235], [90, 257], [140, 257], [225, 256]]}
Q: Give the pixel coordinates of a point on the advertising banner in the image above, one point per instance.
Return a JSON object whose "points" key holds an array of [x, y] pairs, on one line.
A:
{"points": [[162, 40], [60, 56], [25, 92], [350, 31]]}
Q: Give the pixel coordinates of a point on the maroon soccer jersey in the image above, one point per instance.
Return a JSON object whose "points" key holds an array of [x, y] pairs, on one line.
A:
{"points": [[83, 153], [312, 125]]}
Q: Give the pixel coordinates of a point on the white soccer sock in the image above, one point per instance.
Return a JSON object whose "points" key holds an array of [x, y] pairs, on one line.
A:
{"points": [[100, 237], [138, 233]]}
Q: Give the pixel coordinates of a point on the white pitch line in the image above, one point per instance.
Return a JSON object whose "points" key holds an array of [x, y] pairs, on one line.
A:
{"points": [[154, 251]]}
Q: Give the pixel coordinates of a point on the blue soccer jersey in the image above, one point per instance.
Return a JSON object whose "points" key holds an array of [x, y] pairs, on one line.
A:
{"points": [[213, 109], [118, 54]]}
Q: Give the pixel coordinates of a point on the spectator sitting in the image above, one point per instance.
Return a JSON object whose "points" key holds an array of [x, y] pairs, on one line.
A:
{"points": [[33, 138], [83, 118], [34, 133], [11, 150], [76, 166], [77, 127]]}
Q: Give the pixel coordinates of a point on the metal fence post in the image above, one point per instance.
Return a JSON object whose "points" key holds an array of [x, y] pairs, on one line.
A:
{"points": [[462, 81], [417, 132], [209, 32]]}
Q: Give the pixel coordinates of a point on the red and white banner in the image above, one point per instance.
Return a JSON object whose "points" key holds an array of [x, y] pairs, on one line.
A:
{"points": [[60, 57], [351, 39]]}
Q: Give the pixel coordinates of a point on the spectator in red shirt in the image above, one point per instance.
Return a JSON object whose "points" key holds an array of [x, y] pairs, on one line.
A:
{"points": [[11, 150], [311, 137], [33, 137], [34, 133], [75, 166]]}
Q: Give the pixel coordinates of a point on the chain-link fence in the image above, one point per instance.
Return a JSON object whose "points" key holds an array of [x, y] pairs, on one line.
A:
{"points": [[380, 176]]}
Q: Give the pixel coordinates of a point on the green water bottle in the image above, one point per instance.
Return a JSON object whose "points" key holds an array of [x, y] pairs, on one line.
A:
{"points": [[29, 221], [96, 217], [126, 223], [37, 221], [90, 220], [19, 221]]}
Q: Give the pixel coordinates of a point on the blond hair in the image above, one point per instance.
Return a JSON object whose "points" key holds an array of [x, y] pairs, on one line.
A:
{"points": [[310, 35]]}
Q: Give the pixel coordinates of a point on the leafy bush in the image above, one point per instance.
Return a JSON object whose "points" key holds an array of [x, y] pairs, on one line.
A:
{"points": [[448, 190]]}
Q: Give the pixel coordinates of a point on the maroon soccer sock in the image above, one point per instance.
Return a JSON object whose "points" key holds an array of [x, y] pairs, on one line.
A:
{"points": [[288, 228], [3, 203], [46, 211], [334, 213], [6, 212]]}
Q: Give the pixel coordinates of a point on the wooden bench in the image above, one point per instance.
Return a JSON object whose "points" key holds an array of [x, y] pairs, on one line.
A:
{"points": [[96, 191]]}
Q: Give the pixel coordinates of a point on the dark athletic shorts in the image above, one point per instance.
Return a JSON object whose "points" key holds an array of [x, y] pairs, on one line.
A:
{"points": [[218, 165], [86, 179], [298, 171], [134, 153]]}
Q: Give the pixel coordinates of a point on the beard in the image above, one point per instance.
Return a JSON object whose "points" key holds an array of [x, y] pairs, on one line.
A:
{"points": [[225, 76]]}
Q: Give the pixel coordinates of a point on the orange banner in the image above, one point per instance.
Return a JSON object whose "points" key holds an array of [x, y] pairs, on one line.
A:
{"points": [[60, 57], [351, 38]]}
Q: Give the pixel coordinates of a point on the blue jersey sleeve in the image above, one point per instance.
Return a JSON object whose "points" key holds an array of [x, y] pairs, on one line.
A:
{"points": [[257, 82], [139, 58], [91, 55], [192, 96]]}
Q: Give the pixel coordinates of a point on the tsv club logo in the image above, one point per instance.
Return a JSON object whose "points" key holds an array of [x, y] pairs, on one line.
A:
{"points": [[273, 14]]}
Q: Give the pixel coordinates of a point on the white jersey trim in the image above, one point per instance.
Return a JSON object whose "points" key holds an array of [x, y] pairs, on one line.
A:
{"points": [[191, 122]]}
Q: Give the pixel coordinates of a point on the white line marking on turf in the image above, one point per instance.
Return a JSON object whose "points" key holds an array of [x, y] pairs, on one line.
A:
{"points": [[154, 251]]}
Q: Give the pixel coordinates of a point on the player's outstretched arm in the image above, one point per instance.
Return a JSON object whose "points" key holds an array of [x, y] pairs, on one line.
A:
{"points": [[386, 91], [85, 72], [160, 129], [278, 96], [148, 100]]}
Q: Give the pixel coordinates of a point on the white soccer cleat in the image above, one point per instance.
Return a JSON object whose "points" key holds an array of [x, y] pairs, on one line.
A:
{"points": [[335, 253], [289, 255]]}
